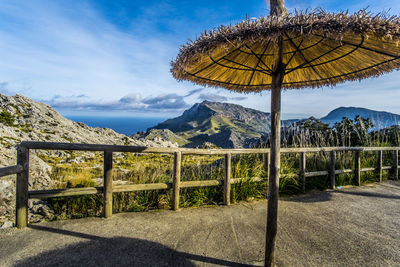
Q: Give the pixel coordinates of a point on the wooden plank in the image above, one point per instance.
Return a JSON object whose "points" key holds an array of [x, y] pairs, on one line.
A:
{"points": [[332, 173], [206, 183], [108, 184], [22, 188], [357, 164], [303, 170], [317, 173], [95, 147], [379, 164], [395, 165], [387, 168], [197, 151], [320, 149], [344, 171], [367, 169], [9, 170], [380, 148], [65, 192], [194, 151], [203, 183], [41, 194], [246, 179], [141, 187], [227, 180], [176, 180]]}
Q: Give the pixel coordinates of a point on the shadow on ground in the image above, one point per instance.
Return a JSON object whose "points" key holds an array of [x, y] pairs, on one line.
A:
{"points": [[320, 196], [369, 194], [116, 251], [323, 196]]}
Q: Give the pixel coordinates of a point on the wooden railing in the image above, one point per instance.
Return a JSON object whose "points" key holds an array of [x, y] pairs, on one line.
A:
{"points": [[22, 171]]}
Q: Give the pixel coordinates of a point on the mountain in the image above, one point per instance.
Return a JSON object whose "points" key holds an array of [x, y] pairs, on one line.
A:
{"points": [[223, 124], [157, 135], [22, 118], [233, 126], [381, 119]]}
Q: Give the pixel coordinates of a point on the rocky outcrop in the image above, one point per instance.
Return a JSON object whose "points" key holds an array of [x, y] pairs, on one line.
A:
{"points": [[159, 136], [22, 118], [222, 124]]}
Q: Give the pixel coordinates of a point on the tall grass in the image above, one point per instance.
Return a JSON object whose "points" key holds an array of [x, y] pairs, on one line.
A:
{"points": [[153, 168]]}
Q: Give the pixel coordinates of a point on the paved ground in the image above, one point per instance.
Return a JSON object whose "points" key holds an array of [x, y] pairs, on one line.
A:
{"points": [[347, 227]]}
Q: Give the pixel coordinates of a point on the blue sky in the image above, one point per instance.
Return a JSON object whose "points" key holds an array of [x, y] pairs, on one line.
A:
{"points": [[112, 57]]}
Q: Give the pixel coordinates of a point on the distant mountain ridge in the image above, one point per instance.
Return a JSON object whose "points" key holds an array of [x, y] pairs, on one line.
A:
{"points": [[223, 124], [381, 119], [230, 125]]}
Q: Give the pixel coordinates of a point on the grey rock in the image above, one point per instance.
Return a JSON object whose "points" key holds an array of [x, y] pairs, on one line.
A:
{"points": [[6, 225], [34, 121], [46, 212]]}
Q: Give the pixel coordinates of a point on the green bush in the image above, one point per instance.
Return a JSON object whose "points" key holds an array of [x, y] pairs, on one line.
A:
{"points": [[6, 118]]}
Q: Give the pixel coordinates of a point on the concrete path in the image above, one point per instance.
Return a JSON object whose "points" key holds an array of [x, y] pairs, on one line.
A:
{"points": [[347, 227]]}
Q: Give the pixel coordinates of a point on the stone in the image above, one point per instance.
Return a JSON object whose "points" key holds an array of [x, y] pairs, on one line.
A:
{"points": [[6, 225], [35, 121]]}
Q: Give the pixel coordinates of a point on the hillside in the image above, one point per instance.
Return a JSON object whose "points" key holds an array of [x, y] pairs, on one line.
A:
{"points": [[21, 119], [223, 124], [381, 119], [233, 126]]}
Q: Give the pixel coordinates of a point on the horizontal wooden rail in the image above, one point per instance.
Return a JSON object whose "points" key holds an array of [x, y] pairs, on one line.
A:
{"points": [[204, 183], [65, 192], [318, 173], [41, 194], [367, 169], [188, 151], [322, 173], [141, 187], [250, 179], [94, 147], [9, 170], [344, 171], [22, 171]]}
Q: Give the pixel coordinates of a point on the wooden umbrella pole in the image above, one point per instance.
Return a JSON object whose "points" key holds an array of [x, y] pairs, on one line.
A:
{"points": [[277, 8], [275, 142], [275, 161]]}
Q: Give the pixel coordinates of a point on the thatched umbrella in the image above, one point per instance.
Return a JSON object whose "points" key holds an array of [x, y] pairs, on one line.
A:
{"points": [[310, 49]]}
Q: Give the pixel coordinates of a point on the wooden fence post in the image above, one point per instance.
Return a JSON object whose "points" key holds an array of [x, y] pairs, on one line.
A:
{"points": [[227, 180], [395, 164], [176, 180], [357, 169], [379, 164], [22, 188], [303, 170], [108, 184], [332, 169]]}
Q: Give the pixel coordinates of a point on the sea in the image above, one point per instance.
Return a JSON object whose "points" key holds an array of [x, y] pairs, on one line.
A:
{"points": [[123, 125]]}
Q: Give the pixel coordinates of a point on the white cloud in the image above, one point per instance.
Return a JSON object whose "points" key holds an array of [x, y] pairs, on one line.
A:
{"points": [[60, 51]]}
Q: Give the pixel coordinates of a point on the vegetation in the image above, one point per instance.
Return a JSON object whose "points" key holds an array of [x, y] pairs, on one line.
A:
{"points": [[6, 118], [152, 168]]}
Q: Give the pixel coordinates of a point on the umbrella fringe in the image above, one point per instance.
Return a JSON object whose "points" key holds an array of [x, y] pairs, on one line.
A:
{"points": [[379, 30]]}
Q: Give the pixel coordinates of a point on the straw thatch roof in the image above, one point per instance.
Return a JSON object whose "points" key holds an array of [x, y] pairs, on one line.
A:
{"points": [[319, 49]]}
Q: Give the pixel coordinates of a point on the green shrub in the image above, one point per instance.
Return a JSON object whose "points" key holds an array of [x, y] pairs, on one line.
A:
{"points": [[6, 118]]}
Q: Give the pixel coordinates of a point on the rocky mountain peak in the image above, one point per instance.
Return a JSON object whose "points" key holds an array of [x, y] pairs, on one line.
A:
{"points": [[23, 119], [223, 124]]}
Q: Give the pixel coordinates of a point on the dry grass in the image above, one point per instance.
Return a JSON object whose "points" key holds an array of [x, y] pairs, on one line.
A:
{"points": [[319, 49]]}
